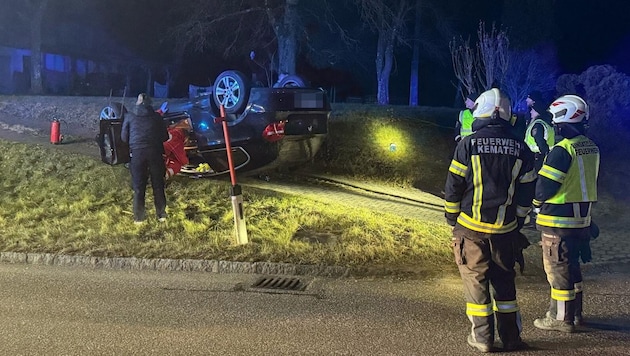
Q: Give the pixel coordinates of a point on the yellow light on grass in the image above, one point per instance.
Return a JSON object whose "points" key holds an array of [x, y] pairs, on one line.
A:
{"points": [[391, 141]]}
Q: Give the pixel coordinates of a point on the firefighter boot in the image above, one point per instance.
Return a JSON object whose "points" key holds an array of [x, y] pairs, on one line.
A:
{"points": [[549, 323], [578, 320], [509, 330], [479, 345]]}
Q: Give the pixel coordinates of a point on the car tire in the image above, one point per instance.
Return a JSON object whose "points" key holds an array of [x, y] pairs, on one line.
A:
{"points": [[292, 81], [113, 111], [231, 89]]}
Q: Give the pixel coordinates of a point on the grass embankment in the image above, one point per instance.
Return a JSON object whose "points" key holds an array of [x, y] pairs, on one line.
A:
{"points": [[56, 202], [401, 146]]}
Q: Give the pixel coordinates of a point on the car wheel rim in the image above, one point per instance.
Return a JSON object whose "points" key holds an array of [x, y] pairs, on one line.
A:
{"points": [[228, 92], [108, 113]]}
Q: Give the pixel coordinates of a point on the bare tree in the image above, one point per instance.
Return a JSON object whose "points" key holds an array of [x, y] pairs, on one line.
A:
{"points": [[529, 70], [387, 18], [30, 14], [239, 27], [415, 56], [483, 66], [432, 26], [464, 61], [286, 26], [493, 56]]}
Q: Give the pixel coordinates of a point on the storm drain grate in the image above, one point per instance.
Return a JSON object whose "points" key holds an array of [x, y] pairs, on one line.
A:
{"points": [[280, 283]]}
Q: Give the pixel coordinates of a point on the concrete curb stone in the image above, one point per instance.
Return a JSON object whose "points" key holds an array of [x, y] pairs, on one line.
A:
{"points": [[187, 265]]}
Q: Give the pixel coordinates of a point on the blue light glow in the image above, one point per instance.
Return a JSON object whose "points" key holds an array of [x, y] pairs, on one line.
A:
{"points": [[203, 126]]}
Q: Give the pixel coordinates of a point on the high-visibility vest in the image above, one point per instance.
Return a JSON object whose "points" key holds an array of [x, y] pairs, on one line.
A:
{"points": [[548, 135], [465, 123], [578, 184]]}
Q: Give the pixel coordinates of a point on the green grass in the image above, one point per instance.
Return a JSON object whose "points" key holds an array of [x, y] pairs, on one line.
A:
{"points": [[401, 146], [55, 202]]}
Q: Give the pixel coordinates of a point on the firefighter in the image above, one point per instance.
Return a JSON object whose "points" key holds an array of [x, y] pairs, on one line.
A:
{"points": [[539, 135], [463, 126], [565, 192], [487, 196]]}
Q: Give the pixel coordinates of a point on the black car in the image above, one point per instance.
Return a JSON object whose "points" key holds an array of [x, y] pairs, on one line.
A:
{"points": [[268, 127]]}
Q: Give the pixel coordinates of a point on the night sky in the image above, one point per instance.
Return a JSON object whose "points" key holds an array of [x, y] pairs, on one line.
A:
{"points": [[595, 32]]}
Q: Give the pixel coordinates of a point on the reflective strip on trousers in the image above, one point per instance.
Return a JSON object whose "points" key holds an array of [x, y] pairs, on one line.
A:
{"points": [[506, 306], [479, 309], [562, 295]]}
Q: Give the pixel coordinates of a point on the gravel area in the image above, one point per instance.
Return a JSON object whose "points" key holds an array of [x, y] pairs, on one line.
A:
{"points": [[79, 115]]}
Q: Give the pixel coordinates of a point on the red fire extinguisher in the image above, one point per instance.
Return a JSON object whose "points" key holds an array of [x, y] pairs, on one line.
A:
{"points": [[55, 132]]}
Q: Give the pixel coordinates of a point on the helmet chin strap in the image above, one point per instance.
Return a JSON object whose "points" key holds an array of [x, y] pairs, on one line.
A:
{"points": [[569, 130], [495, 114]]}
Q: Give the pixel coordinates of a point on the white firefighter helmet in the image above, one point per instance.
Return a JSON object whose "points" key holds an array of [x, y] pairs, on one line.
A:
{"points": [[570, 109], [492, 103]]}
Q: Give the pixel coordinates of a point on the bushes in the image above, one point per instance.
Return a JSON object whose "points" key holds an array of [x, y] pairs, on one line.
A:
{"points": [[607, 93]]}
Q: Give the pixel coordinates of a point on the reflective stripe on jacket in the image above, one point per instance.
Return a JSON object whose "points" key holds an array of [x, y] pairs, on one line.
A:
{"points": [[490, 179]]}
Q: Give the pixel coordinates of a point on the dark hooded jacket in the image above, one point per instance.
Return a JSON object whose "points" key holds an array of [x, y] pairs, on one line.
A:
{"points": [[144, 129]]}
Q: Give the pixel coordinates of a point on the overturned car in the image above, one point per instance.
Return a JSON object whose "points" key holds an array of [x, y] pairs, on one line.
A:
{"points": [[269, 128]]}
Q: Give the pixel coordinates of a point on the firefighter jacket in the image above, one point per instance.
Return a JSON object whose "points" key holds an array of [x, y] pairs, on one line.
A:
{"points": [[567, 186], [539, 136], [490, 180], [464, 124]]}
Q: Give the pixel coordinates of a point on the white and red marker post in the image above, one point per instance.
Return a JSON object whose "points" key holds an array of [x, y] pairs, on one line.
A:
{"points": [[235, 191]]}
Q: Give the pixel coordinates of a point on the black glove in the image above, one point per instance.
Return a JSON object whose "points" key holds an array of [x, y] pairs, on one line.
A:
{"points": [[594, 230], [451, 218], [521, 242], [585, 250]]}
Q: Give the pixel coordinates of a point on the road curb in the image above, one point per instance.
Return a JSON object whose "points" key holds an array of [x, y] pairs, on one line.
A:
{"points": [[163, 264]]}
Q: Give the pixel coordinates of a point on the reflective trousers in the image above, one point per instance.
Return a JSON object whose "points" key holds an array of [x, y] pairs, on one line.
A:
{"points": [[486, 265], [147, 163], [561, 256]]}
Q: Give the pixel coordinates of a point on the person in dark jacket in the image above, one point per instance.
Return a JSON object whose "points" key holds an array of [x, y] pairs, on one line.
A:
{"points": [[488, 193], [145, 133]]}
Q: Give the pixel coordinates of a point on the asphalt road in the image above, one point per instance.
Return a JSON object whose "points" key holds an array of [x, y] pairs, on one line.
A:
{"points": [[52, 310]]}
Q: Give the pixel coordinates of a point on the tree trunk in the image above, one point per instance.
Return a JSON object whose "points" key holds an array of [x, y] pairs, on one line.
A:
{"points": [[37, 86], [414, 89], [286, 32], [384, 64], [149, 90]]}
